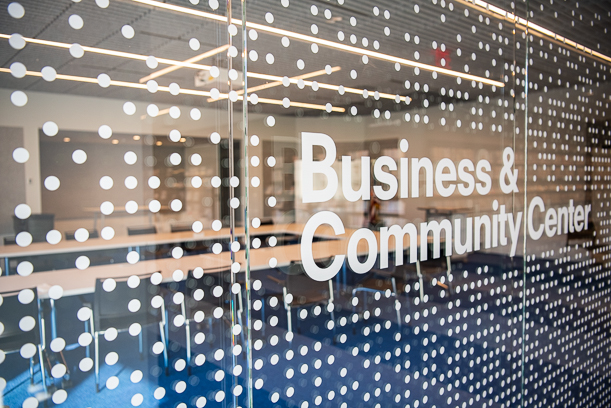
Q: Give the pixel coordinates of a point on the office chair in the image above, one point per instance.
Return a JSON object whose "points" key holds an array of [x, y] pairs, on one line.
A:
{"points": [[20, 312], [142, 230], [379, 282], [133, 300], [299, 291], [207, 295], [181, 227], [93, 233]]}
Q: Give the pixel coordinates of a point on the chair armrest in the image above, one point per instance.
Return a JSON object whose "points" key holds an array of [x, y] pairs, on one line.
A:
{"points": [[278, 281]]}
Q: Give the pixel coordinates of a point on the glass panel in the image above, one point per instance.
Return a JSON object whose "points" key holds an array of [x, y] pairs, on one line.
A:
{"points": [[117, 283], [292, 204], [375, 129], [566, 267]]}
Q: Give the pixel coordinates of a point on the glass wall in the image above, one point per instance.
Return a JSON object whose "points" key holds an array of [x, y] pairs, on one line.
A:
{"points": [[277, 203]]}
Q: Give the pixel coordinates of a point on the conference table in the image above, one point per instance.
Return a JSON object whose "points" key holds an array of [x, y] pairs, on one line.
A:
{"points": [[55, 284]]}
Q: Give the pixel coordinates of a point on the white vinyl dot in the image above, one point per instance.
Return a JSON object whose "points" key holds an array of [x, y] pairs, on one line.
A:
{"points": [[21, 155], [174, 112], [85, 364], [132, 257], [52, 183], [30, 402], [270, 121], [215, 181], [196, 159], [26, 296], [152, 62], [271, 161], [107, 233], [194, 44], [104, 80], [176, 205], [82, 262], [137, 400], [16, 10], [58, 344], [128, 31], [215, 138], [154, 182], [54, 237], [56, 292], [154, 206], [195, 114], [81, 235], [79, 156], [112, 383], [131, 182], [76, 50], [131, 207], [130, 157], [75, 21], [25, 268], [23, 211], [174, 88], [50, 128], [16, 41], [105, 132], [49, 74], [106, 182], [23, 239], [102, 3], [129, 108], [175, 135], [152, 86], [59, 396], [18, 70], [28, 350], [152, 110], [175, 159], [19, 98], [197, 226]]}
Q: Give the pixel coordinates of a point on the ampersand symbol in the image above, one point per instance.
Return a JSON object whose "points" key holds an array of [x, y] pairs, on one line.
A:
{"points": [[508, 173]]}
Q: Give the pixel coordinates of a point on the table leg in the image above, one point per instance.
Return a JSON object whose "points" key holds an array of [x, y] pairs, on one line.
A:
{"points": [[53, 320], [420, 280]]}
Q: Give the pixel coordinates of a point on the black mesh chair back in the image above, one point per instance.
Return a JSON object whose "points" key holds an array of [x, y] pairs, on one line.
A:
{"points": [[93, 233], [182, 227], [207, 290], [19, 319], [304, 289], [112, 308], [142, 230]]}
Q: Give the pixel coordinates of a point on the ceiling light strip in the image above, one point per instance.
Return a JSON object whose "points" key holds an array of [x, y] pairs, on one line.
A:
{"points": [[323, 42], [504, 14], [178, 64], [297, 78], [113, 53], [167, 89], [197, 58]]}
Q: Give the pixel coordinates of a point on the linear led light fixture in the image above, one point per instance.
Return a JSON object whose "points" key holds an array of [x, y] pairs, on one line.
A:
{"points": [[113, 53], [167, 89], [197, 58], [323, 42], [278, 83], [504, 14], [185, 64]]}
